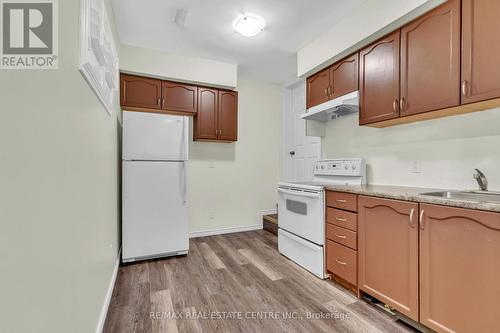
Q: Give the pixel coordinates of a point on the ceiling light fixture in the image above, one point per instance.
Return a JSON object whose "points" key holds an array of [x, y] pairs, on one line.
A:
{"points": [[249, 25]]}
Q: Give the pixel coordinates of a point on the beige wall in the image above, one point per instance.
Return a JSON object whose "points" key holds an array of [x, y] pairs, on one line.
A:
{"points": [[58, 194], [447, 149], [230, 183], [181, 68], [370, 21]]}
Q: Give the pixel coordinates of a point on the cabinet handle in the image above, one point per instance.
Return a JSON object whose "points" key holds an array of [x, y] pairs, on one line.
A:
{"points": [[163, 102], [402, 103], [341, 262], [326, 92], [422, 225], [331, 90], [341, 219], [341, 200], [159, 101], [464, 88], [395, 105], [340, 236], [411, 218]]}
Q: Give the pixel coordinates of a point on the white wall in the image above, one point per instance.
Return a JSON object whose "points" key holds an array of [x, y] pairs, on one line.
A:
{"points": [[230, 183], [59, 198], [447, 149], [372, 20], [181, 68]]}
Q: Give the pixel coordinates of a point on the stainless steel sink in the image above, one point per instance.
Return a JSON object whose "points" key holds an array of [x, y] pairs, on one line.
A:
{"points": [[479, 196]]}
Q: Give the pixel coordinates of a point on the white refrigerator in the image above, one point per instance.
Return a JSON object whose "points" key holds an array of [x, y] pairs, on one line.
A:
{"points": [[154, 189]]}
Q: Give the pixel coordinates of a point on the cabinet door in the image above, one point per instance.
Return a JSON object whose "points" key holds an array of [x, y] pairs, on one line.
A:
{"points": [[480, 50], [179, 97], [459, 269], [318, 88], [430, 61], [228, 115], [344, 76], [379, 80], [205, 127], [388, 252], [140, 92]]}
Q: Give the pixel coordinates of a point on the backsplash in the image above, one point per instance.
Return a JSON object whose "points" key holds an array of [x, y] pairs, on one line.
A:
{"points": [[439, 153]]}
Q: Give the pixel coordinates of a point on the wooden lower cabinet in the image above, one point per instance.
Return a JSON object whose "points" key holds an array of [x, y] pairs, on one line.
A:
{"points": [[459, 269], [341, 261], [388, 252]]}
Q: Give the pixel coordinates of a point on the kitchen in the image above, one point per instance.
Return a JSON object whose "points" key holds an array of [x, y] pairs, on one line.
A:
{"points": [[136, 177]]}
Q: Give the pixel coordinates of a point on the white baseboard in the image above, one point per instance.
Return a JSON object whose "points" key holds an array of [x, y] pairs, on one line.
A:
{"points": [[109, 294], [221, 231]]}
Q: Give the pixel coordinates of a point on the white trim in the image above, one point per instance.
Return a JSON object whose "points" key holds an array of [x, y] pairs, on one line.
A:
{"points": [[221, 231], [109, 294]]}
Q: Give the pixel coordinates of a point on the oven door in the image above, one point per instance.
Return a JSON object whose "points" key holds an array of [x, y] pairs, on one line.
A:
{"points": [[301, 212]]}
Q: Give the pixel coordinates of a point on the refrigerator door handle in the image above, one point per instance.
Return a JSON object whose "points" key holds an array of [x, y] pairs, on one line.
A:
{"points": [[185, 140], [183, 182]]}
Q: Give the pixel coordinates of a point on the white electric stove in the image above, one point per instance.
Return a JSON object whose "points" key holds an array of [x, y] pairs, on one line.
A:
{"points": [[301, 211]]}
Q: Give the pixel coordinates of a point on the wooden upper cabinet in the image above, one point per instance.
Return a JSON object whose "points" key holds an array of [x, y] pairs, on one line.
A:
{"points": [[430, 61], [205, 122], [228, 116], [379, 80], [318, 87], [344, 76], [480, 50], [388, 252], [179, 97], [140, 92], [459, 269]]}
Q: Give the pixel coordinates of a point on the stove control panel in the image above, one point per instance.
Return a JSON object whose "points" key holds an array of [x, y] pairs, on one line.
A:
{"points": [[353, 167]]}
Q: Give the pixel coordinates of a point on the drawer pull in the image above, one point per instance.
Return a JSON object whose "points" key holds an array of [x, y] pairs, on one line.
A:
{"points": [[340, 236], [340, 262], [341, 200], [340, 219]]}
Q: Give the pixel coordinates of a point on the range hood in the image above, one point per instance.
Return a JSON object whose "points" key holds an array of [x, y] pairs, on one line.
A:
{"points": [[335, 108]]}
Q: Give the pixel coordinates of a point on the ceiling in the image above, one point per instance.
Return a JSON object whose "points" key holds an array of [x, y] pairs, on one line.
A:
{"points": [[208, 32]]}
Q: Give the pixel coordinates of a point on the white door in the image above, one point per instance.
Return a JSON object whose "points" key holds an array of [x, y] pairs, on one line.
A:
{"points": [[155, 213], [301, 151], [154, 137]]}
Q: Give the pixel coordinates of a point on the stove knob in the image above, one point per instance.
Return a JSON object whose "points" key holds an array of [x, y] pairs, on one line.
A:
{"points": [[317, 167], [322, 167], [346, 167], [354, 166]]}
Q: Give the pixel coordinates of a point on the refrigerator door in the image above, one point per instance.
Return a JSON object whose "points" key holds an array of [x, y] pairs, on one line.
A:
{"points": [[155, 211], [154, 137]]}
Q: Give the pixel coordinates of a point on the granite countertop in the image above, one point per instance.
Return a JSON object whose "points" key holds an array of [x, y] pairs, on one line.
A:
{"points": [[413, 194]]}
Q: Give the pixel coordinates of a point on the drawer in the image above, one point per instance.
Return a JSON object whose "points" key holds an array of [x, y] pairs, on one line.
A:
{"points": [[342, 218], [342, 236], [342, 261], [341, 200]]}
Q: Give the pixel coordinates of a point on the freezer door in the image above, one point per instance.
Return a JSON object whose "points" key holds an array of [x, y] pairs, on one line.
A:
{"points": [[155, 210], [154, 137]]}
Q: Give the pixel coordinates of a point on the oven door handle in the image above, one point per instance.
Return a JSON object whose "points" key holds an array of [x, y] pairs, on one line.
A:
{"points": [[299, 194]]}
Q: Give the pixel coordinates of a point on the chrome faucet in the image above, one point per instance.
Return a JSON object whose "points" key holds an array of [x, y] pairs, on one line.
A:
{"points": [[481, 180]]}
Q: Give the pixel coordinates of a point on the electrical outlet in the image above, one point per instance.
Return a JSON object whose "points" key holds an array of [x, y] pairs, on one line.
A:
{"points": [[416, 167]]}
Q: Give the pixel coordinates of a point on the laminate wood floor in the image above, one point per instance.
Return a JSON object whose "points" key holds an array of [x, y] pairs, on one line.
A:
{"points": [[236, 283]]}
